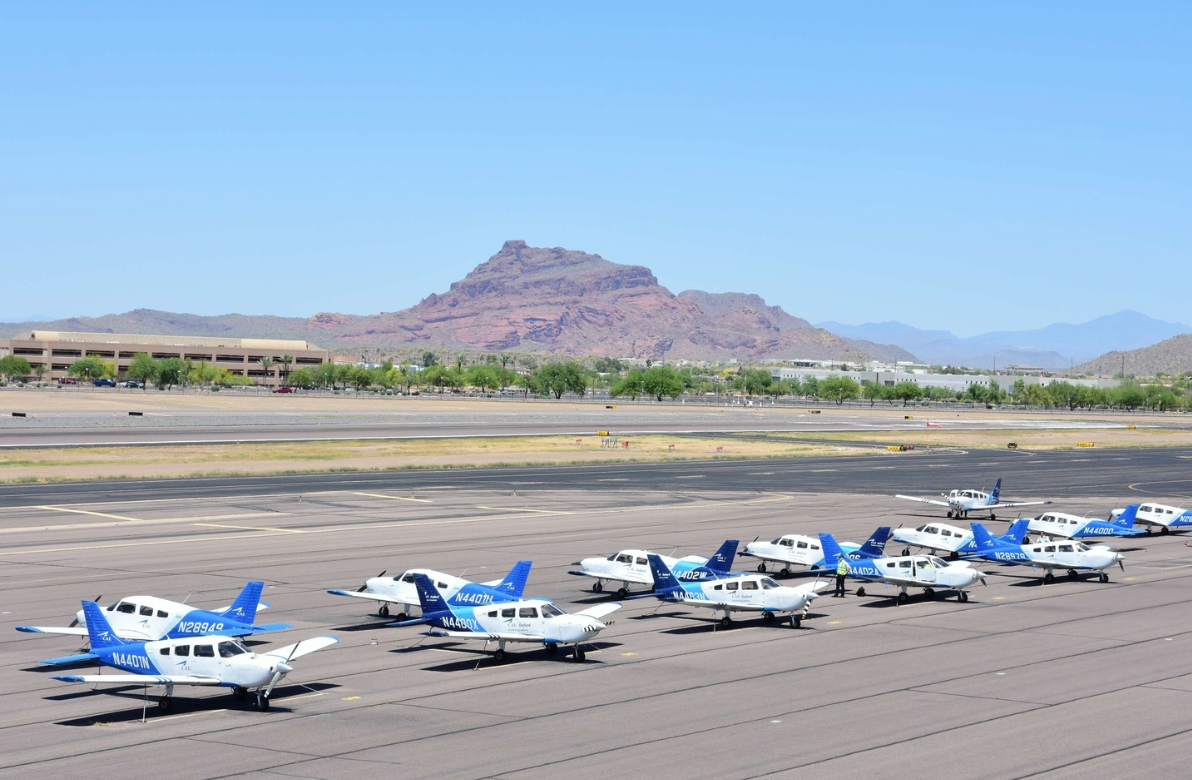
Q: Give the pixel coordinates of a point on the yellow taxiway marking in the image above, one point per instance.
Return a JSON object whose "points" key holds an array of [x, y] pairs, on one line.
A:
{"points": [[834, 622], [998, 598], [627, 655], [85, 512], [523, 509], [1128, 579], [769, 500], [395, 498], [253, 528], [351, 698]]}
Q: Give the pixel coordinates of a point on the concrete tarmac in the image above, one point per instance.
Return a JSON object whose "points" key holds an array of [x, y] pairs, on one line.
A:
{"points": [[1073, 679]]}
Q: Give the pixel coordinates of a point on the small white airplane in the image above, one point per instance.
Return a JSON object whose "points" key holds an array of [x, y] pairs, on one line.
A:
{"points": [[799, 550], [632, 567], [1162, 516], [532, 620], [945, 538], [401, 591], [201, 660], [734, 593], [961, 502], [1070, 555], [911, 571], [1066, 526]]}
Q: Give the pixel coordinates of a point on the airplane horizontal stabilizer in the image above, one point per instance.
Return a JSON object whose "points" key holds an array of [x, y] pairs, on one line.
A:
{"points": [[70, 630], [69, 659], [270, 627]]}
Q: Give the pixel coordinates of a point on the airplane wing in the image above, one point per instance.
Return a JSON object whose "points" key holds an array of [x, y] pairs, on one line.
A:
{"points": [[299, 649], [599, 611], [491, 637], [138, 679], [71, 630], [370, 597], [934, 501], [1008, 504], [636, 579]]}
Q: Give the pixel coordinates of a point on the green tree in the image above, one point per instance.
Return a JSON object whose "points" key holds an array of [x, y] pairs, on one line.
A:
{"points": [[662, 381], [429, 359], [632, 384], [266, 364], [302, 377], [325, 375], [874, 392], [143, 369], [839, 388], [560, 378], [906, 391], [757, 380], [90, 367], [40, 369], [14, 367], [286, 362], [170, 372]]}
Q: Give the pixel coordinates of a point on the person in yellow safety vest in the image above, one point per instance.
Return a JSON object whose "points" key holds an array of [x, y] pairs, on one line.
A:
{"points": [[841, 570]]}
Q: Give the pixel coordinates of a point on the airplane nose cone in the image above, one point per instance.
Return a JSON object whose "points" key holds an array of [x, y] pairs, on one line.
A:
{"points": [[284, 668]]}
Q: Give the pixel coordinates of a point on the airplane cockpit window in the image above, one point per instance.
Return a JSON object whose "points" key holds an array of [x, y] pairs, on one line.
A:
{"points": [[937, 562], [550, 611], [768, 583], [127, 609], [406, 578], [204, 651], [612, 557], [931, 529], [162, 613], [147, 611], [624, 559], [182, 650], [749, 585], [921, 528], [508, 612], [731, 585], [528, 612], [231, 649], [642, 562], [779, 541], [110, 607], [1066, 548], [1081, 547]]}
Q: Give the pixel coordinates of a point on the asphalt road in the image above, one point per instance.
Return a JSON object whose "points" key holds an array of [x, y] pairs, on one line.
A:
{"points": [[1076, 679], [1143, 473]]}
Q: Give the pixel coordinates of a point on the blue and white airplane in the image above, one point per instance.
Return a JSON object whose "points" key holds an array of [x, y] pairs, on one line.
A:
{"points": [[908, 571], [633, 567], [796, 549], [1070, 555], [400, 590], [530, 620], [733, 593], [198, 660], [942, 537], [961, 502], [1065, 526], [147, 618], [1162, 516]]}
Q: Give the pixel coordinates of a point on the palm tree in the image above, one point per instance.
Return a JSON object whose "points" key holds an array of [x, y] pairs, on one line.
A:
{"points": [[266, 363], [286, 362]]}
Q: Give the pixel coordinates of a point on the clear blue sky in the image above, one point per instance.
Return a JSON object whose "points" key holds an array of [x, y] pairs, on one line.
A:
{"points": [[951, 165]]}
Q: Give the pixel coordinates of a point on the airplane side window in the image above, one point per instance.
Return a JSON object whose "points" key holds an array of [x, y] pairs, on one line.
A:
{"points": [[493, 613], [162, 613], [891, 565], [1049, 548], [147, 611], [717, 587], [204, 651], [164, 651], [509, 612], [127, 609], [182, 650], [749, 585], [1065, 548], [931, 529], [802, 545], [642, 562], [815, 546], [947, 533], [408, 578], [904, 564], [731, 585], [440, 585], [527, 612]]}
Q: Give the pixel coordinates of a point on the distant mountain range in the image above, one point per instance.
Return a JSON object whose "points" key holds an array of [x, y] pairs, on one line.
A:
{"points": [[541, 300], [1056, 347], [1173, 356]]}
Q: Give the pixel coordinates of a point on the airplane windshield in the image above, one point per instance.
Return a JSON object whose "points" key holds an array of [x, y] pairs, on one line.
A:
{"points": [[938, 562], [550, 611], [230, 649], [1082, 547], [768, 583]]}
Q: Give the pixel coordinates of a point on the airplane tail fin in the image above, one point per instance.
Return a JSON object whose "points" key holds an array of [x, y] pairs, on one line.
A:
{"points": [[244, 608], [722, 560], [1017, 531], [875, 545], [99, 630], [982, 538], [429, 597], [664, 580], [1126, 518], [997, 490], [832, 551], [515, 582]]}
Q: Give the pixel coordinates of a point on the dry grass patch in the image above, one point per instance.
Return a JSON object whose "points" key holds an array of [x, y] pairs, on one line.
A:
{"points": [[1032, 439]]}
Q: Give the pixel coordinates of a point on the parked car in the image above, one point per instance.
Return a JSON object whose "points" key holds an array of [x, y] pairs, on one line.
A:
{"points": [[283, 389], [67, 380], [104, 383], [132, 383]]}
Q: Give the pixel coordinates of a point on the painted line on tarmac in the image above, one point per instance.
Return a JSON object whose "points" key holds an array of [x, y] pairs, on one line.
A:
{"points": [[85, 512], [252, 528], [142, 522], [395, 498], [523, 509]]}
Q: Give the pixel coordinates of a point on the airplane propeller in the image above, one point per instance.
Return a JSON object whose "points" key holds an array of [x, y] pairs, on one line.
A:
{"points": [[364, 587], [75, 622], [1121, 564]]}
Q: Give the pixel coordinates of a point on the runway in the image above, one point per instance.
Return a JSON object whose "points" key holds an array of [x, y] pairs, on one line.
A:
{"points": [[1076, 679]]}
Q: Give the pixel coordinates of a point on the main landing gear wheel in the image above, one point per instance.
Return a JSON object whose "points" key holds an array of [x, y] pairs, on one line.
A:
{"points": [[929, 592], [860, 591], [622, 592], [767, 617], [579, 654], [906, 551], [961, 596], [1103, 577], [552, 648], [499, 656], [1164, 530], [1071, 574], [796, 621], [1048, 578], [384, 610], [726, 622], [401, 616], [165, 703], [239, 694], [761, 567], [949, 513], [785, 572], [902, 597], [992, 517], [597, 586], [262, 702]]}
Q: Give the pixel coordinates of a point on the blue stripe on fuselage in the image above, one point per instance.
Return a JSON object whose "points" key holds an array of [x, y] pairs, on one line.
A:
{"points": [[131, 658]]}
